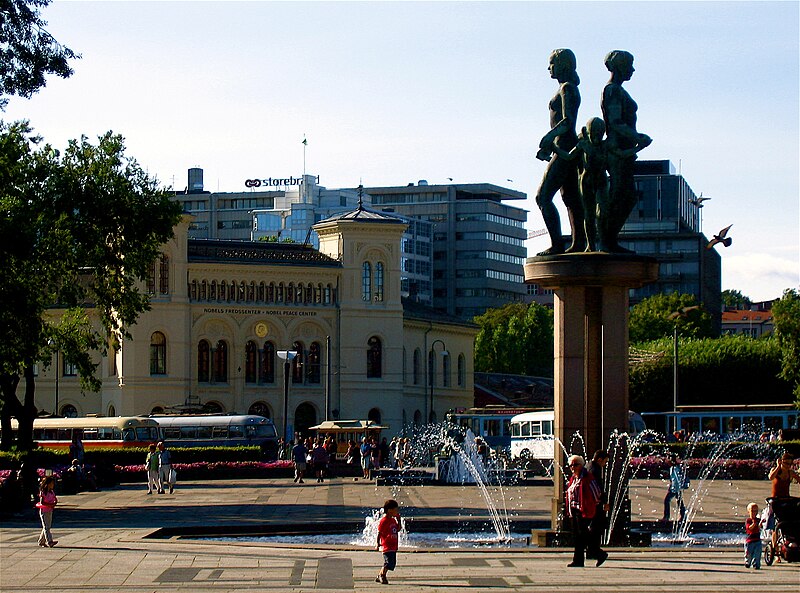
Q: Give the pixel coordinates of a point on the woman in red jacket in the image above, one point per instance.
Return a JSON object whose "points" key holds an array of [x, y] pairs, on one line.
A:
{"points": [[582, 497]]}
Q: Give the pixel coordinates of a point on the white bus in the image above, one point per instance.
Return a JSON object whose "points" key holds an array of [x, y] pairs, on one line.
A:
{"points": [[532, 434]]}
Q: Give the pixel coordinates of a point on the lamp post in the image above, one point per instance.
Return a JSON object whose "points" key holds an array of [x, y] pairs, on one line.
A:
{"points": [[431, 369], [287, 356]]}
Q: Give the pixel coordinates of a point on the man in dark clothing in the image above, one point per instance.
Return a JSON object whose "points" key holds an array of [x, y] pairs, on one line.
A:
{"points": [[598, 523]]}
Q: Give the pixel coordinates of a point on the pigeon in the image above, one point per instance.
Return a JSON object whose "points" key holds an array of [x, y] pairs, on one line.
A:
{"points": [[721, 238]]}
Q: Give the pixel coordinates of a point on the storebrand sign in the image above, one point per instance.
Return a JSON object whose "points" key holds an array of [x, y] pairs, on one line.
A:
{"points": [[275, 182]]}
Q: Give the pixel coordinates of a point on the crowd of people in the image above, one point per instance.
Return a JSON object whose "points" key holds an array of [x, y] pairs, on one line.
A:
{"points": [[315, 456]]}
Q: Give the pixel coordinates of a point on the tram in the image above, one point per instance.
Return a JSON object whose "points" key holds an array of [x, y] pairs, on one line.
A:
{"points": [[95, 432]]}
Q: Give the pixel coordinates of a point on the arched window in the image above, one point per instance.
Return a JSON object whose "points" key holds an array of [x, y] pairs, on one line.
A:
{"points": [[326, 298], [250, 362], [318, 294], [163, 275], [213, 407], [297, 363], [203, 360], [415, 367], [112, 411], [417, 418], [158, 354], [445, 370], [309, 299], [271, 292], [374, 357], [299, 294], [193, 290], [268, 364], [261, 293], [290, 293], [157, 410], [366, 282], [462, 370], [259, 409], [379, 281], [279, 296], [223, 290], [232, 292], [69, 411], [221, 360], [240, 295], [314, 366], [374, 415], [213, 294], [203, 290], [251, 292]]}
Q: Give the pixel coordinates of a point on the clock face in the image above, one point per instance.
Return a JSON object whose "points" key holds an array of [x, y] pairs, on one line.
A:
{"points": [[261, 329]]}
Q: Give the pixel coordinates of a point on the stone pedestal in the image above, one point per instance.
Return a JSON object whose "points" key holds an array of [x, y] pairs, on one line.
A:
{"points": [[591, 347]]}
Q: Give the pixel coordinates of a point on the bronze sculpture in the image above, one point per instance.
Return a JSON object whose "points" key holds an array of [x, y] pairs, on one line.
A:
{"points": [[561, 174], [619, 113]]}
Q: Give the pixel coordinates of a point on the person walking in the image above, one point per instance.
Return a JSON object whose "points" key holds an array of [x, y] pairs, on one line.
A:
{"points": [[599, 522], [678, 482], [388, 530], [320, 458], [165, 473], [582, 499], [47, 502], [151, 464], [299, 453]]}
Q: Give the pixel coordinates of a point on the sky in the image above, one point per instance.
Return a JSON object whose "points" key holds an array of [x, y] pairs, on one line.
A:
{"points": [[388, 93]]}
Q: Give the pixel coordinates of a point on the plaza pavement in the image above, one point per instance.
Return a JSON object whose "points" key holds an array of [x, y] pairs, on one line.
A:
{"points": [[103, 545]]}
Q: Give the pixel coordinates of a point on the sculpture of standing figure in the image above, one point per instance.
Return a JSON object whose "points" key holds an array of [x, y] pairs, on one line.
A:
{"points": [[619, 113], [562, 174]]}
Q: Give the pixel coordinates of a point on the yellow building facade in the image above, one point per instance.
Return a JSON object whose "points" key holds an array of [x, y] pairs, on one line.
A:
{"points": [[282, 330]]}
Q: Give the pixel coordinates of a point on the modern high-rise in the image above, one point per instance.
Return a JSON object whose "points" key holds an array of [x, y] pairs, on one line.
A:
{"points": [[478, 246]]}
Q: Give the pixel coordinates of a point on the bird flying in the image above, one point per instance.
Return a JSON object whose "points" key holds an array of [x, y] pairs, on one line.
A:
{"points": [[721, 237]]}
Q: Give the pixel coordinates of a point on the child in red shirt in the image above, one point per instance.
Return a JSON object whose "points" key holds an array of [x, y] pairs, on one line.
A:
{"points": [[752, 545], [388, 528]]}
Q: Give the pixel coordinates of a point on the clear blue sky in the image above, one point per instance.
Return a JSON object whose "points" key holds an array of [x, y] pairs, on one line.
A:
{"points": [[390, 93]]}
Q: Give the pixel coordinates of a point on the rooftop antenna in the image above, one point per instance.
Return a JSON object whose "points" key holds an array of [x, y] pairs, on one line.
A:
{"points": [[360, 195], [305, 145]]}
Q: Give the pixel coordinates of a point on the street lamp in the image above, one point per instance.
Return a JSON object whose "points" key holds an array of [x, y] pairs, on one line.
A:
{"points": [[287, 356], [51, 342], [431, 365], [675, 317]]}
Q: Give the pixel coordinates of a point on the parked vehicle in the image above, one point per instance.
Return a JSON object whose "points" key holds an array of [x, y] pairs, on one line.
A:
{"points": [[212, 430]]}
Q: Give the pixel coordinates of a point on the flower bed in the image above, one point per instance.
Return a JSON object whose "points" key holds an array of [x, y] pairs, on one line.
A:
{"points": [[219, 470], [653, 466]]}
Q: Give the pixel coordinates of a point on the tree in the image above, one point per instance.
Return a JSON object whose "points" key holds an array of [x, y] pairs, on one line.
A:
{"points": [[81, 231], [657, 316], [27, 51], [786, 317], [734, 299], [515, 339]]}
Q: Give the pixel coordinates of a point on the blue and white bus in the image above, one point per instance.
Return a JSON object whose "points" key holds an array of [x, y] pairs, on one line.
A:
{"points": [[725, 420], [532, 434], [219, 431], [492, 424]]}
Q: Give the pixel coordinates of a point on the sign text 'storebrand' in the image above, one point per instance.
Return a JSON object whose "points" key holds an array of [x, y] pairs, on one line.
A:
{"points": [[275, 182]]}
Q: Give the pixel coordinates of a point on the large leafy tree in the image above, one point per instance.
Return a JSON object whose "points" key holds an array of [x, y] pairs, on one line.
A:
{"points": [[786, 317], [658, 316], [515, 339], [734, 299], [80, 230], [27, 51]]}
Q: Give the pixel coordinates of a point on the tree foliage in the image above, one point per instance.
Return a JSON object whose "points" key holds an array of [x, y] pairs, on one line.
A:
{"points": [[730, 370], [657, 316], [27, 51], [786, 317], [734, 299], [515, 339], [81, 230]]}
